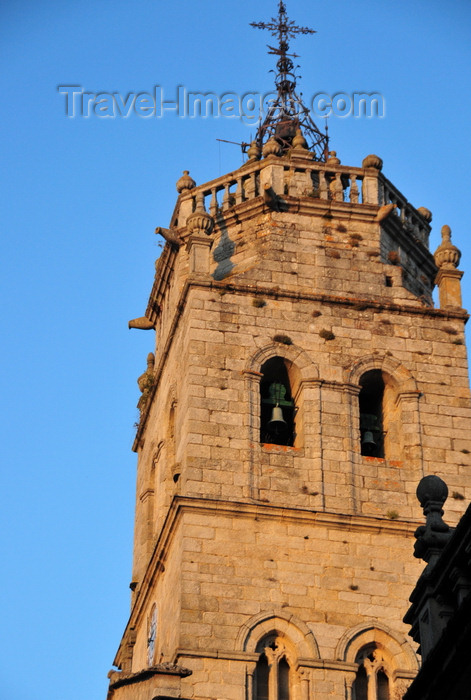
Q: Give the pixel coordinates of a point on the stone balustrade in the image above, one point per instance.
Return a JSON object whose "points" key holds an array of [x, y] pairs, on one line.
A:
{"points": [[414, 221], [301, 177]]}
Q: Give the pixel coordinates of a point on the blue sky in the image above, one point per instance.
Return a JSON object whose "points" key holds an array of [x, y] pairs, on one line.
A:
{"points": [[80, 199]]}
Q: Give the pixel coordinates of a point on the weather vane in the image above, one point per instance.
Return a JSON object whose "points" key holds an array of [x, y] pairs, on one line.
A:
{"points": [[287, 111]]}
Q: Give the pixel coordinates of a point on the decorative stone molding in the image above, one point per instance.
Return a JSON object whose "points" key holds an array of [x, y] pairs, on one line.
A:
{"points": [[425, 213], [292, 353], [271, 148], [299, 142], [200, 221], [185, 183], [376, 632], [394, 368], [253, 152], [372, 161], [332, 159], [447, 256], [282, 623]]}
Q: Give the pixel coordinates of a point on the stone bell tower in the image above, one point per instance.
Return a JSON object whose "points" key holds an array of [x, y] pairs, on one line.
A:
{"points": [[302, 383]]}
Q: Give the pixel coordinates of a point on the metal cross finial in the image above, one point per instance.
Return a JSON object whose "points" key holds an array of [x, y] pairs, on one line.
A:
{"points": [[287, 112], [283, 27]]}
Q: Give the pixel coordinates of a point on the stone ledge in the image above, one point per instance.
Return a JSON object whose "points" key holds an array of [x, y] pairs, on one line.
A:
{"points": [[118, 679]]}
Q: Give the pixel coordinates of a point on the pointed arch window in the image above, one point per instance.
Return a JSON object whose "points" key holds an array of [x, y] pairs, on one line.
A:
{"points": [[273, 672], [372, 679], [277, 411]]}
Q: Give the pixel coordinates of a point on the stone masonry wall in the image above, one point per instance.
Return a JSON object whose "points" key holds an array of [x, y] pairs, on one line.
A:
{"points": [[317, 536]]}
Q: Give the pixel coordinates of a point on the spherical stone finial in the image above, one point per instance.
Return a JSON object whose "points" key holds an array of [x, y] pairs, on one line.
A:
{"points": [[185, 182], [254, 151], [271, 148], [332, 159], [447, 255], [425, 214], [431, 488], [299, 142], [372, 161]]}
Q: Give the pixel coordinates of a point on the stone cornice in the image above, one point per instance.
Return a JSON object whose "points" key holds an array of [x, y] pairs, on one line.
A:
{"points": [[248, 656], [331, 664], [163, 271], [251, 208]]}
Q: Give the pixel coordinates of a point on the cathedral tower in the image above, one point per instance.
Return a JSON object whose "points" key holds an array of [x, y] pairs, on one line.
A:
{"points": [[302, 383]]}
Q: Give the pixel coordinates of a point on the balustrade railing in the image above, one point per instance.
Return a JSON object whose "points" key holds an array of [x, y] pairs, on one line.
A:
{"points": [[411, 220], [322, 181]]}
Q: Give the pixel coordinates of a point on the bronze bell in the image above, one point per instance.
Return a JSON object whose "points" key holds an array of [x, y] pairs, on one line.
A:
{"points": [[368, 443], [276, 422]]}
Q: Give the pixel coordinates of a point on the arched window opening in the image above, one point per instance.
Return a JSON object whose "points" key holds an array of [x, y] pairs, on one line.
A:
{"points": [[372, 680], [283, 680], [360, 686], [273, 672], [277, 409], [371, 413], [261, 679], [382, 682]]}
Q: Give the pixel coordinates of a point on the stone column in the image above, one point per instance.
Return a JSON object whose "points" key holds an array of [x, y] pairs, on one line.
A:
{"points": [[250, 680], [252, 423], [370, 187]]}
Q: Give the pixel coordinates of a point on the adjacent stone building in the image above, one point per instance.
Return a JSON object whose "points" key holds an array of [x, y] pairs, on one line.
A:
{"points": [[440, 614], [302, 383]]}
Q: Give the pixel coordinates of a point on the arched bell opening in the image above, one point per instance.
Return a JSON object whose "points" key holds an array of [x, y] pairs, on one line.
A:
{"points": [[379, 415], [277, 409], [371, 413]]}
